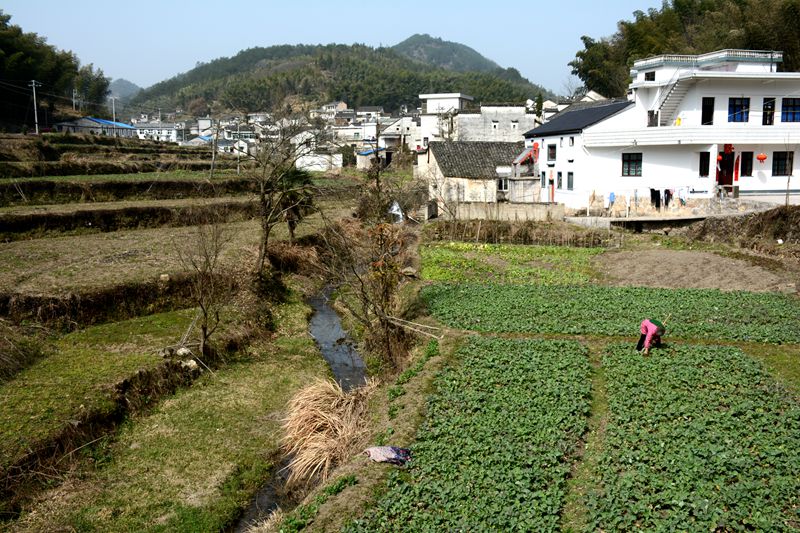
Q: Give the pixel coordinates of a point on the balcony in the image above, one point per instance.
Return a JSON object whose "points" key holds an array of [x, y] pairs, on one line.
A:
{"points": [[780, 134]]}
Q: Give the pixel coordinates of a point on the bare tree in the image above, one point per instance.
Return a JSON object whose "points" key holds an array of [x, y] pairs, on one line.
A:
{"points": [[211, 289], [283, 192]]}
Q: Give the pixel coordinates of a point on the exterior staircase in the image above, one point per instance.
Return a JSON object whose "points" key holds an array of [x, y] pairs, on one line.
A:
{"points": [[674, 94]]}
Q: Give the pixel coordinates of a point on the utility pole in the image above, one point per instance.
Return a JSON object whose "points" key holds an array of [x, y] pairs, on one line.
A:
{"points": [[238, 138], [33, 85], [114, 113], [74, 97]]}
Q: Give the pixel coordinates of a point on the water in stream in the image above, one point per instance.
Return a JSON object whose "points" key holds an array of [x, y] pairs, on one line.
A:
{"points": [[349, 371]]}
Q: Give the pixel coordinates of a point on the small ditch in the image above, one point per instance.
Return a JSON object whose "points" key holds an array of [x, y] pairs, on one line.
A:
{"points": [[349, 370]]}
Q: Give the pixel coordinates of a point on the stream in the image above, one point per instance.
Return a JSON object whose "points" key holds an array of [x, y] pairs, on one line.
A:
{"points": [[349, 370]]}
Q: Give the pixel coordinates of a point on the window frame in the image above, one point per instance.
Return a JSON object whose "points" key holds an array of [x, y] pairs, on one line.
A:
{"points": [[502, 184], [632, 163], [570, 180], [705, 164], [739, 109], [559, 180], [768, 111], [650, 76], [707, 111], [746, 164], [790, 109], [551, 152], [787, 163]]}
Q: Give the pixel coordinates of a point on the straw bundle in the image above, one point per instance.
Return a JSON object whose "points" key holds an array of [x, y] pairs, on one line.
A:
{"points": [[323, 427]]}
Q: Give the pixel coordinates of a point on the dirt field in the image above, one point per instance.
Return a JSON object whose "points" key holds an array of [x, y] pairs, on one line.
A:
{"points": [[689, 269]]}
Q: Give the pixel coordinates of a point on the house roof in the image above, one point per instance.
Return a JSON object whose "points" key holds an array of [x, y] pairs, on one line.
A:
{"points": [[474, 159], [110, 123], [579, 116]]}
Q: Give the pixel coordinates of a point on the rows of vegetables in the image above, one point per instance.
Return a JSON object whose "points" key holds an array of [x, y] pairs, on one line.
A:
{"points": [[492, 454], [699, 438], [702, 313]]}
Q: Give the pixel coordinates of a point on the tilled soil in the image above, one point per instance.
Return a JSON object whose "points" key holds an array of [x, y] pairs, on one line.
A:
{"points": [[688, 269]]}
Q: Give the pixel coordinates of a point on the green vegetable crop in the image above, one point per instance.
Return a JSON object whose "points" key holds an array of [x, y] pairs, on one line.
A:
{"points": [[699, 438], [761, 317], [492, 454]]}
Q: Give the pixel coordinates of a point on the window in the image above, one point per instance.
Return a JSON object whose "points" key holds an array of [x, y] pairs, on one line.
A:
{"points": [[790, 110], [572, 141], [514, 124], [544, 178], [561, 142], [650, 76], [747, 164], [632, 164], [425, 142], [355, 135], [551, 152], [705, 163], [707, 117], [494, 124], [570, 180], [768, 116], [558, 180], [502, 184], [738, 109], [782, 163], [652, 119]]}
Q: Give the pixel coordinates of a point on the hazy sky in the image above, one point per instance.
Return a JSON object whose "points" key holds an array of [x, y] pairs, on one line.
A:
{"points": [[147, 41]]}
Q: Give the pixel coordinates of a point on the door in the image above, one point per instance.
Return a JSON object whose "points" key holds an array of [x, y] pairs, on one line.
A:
{"points": [[725, 169]]}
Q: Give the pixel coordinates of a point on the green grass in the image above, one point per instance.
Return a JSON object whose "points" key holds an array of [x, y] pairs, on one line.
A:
{"points": [[197, 459], [77, 378], [458, 262], [179, 175], [699, 438]]}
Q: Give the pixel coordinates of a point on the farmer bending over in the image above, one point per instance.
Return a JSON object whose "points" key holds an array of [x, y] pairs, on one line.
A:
{"points": [[651, 332]]}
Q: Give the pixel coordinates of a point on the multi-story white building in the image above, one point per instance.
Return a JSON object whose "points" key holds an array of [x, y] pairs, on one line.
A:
{"points": [[691, 127], [161, 131]]}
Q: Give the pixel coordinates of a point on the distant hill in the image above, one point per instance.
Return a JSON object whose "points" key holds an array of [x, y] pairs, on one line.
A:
{"points": [[124, 89], [445, 54], [304, 75]]}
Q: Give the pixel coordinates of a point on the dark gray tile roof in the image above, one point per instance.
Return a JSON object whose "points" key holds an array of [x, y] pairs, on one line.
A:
{"points": [[474, 159], [579, 116]]}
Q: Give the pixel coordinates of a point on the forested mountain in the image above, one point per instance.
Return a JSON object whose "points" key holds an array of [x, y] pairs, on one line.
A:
{"points": [[25, 57], [445, 54], [122, 88], [262, 78], [689, 27]]}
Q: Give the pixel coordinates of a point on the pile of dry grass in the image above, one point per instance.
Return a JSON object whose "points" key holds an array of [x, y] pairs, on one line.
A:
{"points": [[323, 427]]}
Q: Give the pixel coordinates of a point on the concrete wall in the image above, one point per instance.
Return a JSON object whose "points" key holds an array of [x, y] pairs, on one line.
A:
{"points": [[508, 211], [319, 162], [494, 123]]}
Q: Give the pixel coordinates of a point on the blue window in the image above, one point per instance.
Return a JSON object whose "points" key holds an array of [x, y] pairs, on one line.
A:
{"points": [[790, 110], [738, 109]]}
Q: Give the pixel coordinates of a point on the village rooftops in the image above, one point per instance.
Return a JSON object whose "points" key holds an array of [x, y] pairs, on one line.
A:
{"points": [[575, 120], [474, 159]]}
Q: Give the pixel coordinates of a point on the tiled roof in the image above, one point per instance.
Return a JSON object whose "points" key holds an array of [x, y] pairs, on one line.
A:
{"points": [[579, 116], [474, 159]]}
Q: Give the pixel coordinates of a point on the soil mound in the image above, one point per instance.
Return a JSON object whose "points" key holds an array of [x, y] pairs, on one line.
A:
{"points": [[776, 231]]}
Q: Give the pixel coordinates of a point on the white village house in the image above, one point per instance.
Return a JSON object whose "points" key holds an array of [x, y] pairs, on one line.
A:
{"points": [[692, 127]]}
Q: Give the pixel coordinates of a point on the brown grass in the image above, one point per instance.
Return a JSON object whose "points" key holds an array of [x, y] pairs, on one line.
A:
{"points": [[324, 426]]}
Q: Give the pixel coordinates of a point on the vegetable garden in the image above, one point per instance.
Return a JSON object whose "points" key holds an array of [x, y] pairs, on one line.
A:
{"points": [[696, 437]]}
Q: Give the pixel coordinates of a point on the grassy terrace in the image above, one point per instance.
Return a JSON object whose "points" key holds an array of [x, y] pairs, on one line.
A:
{"points": [[174, 175], [181, 203], [197, 459], [66, 264], [78, 378]]}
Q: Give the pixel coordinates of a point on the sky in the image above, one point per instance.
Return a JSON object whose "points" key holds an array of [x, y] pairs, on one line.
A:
{"points": [[147, 41]]}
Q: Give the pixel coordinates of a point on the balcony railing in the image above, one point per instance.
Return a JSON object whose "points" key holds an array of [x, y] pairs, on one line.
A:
{"points": [[761, 56]]}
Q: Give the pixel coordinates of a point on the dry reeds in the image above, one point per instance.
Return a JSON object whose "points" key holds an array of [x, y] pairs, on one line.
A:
{"points": [[324, 426]]}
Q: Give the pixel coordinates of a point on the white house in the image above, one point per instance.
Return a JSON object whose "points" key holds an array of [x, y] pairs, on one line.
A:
{"points": [[160, 131], [692, 127]]}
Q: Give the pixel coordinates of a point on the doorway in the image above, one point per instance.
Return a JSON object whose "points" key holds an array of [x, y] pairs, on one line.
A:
{"points": [[725, 168]]}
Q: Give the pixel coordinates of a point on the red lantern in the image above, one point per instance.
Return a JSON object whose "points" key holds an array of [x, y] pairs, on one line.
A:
{"points": [[761, 157], [719, 158]]}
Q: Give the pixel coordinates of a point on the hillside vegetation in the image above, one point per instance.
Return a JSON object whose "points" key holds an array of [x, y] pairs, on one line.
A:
{"points": [[262, 78], [689, 27]]}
